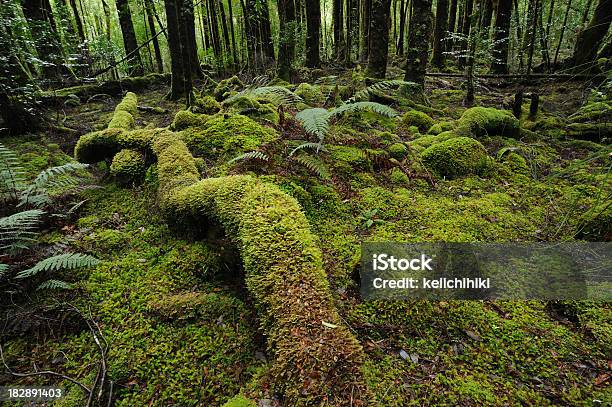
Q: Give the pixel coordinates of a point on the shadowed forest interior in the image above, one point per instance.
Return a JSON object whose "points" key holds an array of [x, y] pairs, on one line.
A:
{"points": [[185, 186]]}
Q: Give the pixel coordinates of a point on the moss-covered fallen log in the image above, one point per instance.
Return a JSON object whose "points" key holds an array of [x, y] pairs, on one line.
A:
{"points": [[317, 361]]}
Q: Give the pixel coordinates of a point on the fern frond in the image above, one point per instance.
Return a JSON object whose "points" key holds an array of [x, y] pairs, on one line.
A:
{"points": [[60, 177], [315, 121], [66, 261], [307, 145], [382, 86], [313, 164], [54, 285], [381, 109], [3, 270], [12, 174], [258, 155], [278, 95], [19, 229]]}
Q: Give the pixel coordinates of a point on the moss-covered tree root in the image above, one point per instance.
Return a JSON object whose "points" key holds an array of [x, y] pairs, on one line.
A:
{"points": [[316, 358]]}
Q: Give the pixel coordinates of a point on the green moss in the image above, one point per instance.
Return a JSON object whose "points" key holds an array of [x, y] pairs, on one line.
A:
{"points": [[423, 142], [251, 107], [240, 401], [185, 119], [456, 157], [353, 156], [398, 150], [479, 122], [128, 104], [441, 127], [206, 105], [226, 86], [590, 131], [516, 163], [596, 224], [419, 119], [593, 112], [122, 120], [227, 135], [128, 165], [398, 177], [311, 94], [388, 138]]}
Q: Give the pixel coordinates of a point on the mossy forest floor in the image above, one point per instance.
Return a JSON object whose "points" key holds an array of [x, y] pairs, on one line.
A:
{"points": [[183, 331]]}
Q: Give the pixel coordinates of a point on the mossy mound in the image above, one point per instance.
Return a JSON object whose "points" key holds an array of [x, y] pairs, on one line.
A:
{"points": [[352, 156], [184, 119], [225, 134], [398, 150], [441, 127], [240, 401], [418, 119], [593, 112], [516, 163], [456, 157], [590, 131], [225, 87], [422, 142], [479, 122], [128, 165], [251, 107], [206, 105], [398, 177], [311, 94]]}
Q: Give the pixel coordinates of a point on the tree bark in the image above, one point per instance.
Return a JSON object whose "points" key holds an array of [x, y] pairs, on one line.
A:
{"points": [[440, 33], [179, 54], [567, 10], [465, 29], [149, 6], [364, 43], [486, 17], [129, 38], [418, 42], [589, 40], [352, 30], [501, 37], [338, 23], [471, 55], [313, 31], [452, 19], [78, 21], [232, 31], [286, 46], [379, 38], [402, 27]]}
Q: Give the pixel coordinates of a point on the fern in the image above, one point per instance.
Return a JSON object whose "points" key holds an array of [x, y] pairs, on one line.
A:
{"points": [[66, 261], [60, 177], [382, 86], [313, 164], [3, 270], [307, 145], [54, 285], [17, 231], [12, 179], [257, 155], [381, 109], [276, 94], [315, 121]]}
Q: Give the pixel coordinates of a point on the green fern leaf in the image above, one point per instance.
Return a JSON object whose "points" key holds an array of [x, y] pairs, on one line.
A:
{"points": [[275, 94], [54, 285], [381, 109], [60, 177], [17, 231], [4, 268], [382, 86], [313, 164], [307, 145], [66, 261], [12, 175], [315, 121], [251, 155]]}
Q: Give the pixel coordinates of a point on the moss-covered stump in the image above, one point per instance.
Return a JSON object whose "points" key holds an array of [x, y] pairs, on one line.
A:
{"points": [[480, 122], [456, 157], [316, 358]]}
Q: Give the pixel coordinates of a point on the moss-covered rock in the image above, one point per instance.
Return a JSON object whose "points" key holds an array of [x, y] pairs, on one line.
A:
{"points": [[398, 150], [479, 122], [240, 401], [251, 107], [456, 157], [593, 112], [419, 119], [353, 156], [516, 163], [228, 134], [422, 142], [206, 105], [226, 86], [128, 165], [184, 119], [441, 127], [311, 94], [590, 131]]}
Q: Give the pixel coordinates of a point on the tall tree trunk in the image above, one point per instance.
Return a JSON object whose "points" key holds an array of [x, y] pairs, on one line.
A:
{"points": [[313, 32], [465, 28], [585, 14], [501, 42], [214, 32], [543, 40], [266, 30], [78, 21], [232, 31], [440, 33], [589, 40], [379, 38], [567, 10], [286, 46], [226, 38], [486, 15], [338, 23], [179, 53], [530, 35], [471, 54], [399, 49], [149, 6], [129, 38], [364, 44], [44, 35], [352, 30], [418, 42], [188, 19], [249, 34]]}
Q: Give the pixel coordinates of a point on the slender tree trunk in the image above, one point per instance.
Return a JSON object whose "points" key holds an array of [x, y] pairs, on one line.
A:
{"points": [[465, 28], [418, 42], [77, 20], [543, 40], [181, 72], [226, 37], [503, 14], [286, 46], [486, 15], [338, 23], [364, 44], [585, 15], [589, 40], [567, 10], [471, 58], [519, 35], [533, 22], [313, 32], [452, 19], [379, 39], [440, 33], [214, 32], [402, 27], [190, 32], [158, 58], [129, 37], [232, 31]]}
